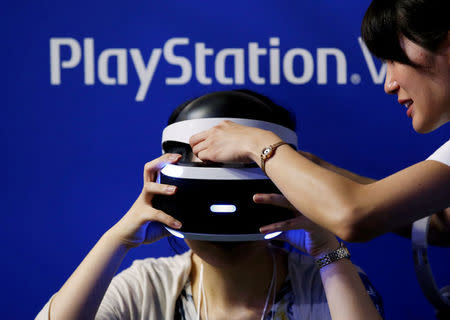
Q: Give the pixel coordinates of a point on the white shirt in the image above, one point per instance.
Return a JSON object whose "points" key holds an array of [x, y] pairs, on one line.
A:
{"points": [[150, 287], [442, 154]]}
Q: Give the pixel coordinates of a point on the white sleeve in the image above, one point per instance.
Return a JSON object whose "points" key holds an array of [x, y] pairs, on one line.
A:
{"points": [[148, 289], [442, 154], [135, 293], [130, 295]]}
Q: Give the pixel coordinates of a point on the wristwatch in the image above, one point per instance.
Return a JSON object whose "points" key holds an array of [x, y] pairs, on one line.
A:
{"points": [[338, 254], [268, 153]]}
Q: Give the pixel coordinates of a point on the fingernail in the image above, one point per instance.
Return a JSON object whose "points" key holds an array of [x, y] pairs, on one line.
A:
{"points": [[257, 197], [174, 157], [176, 224], [170, 188]]}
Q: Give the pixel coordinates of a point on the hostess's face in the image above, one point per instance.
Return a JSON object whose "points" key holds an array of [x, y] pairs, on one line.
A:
{"points": [[424, 89]]}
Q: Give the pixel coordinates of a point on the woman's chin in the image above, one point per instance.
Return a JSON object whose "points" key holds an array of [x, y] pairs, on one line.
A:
{"points": [[225, 253], [419, 129], [422, 126]]}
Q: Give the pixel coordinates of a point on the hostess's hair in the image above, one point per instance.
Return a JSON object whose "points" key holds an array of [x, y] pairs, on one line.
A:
{"points": [[424, 22]]}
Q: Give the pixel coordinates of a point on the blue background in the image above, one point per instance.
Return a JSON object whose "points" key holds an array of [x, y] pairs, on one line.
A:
{"points": [[74, 153]]}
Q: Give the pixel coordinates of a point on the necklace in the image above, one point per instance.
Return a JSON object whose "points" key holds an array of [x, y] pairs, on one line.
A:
{"points": [[273, 287]]}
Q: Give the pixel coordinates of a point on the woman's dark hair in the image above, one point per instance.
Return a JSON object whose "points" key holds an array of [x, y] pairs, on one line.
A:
{"points": [[234, 104], [424, 22]]}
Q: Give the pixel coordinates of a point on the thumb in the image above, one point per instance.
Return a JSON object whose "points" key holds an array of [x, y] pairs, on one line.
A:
{"points": [[155, 231], [295, 238]]}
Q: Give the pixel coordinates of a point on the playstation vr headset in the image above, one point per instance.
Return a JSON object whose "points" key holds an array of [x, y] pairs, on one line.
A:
{"points": [[214, 201]]}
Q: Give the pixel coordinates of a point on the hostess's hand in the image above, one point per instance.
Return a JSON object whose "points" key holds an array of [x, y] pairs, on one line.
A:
{"points": [[143, 223], [300, 232], [231, 142]]}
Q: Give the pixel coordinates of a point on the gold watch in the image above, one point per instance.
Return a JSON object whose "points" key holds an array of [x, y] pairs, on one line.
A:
{"points": [[268, 152]]}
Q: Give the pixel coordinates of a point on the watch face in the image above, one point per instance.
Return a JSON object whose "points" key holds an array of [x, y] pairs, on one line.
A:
{"points": [[267, 151]]}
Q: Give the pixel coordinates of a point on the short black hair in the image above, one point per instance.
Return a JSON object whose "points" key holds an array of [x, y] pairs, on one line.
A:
{"points": [[424, 22], [240, 103]]}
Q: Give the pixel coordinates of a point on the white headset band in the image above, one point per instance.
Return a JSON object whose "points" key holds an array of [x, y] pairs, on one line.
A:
{"points": [[439, 298], [216, 237], [183, 130], [213, 173]]}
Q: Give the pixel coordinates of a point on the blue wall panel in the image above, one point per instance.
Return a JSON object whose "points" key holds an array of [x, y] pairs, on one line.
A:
{"points": [[75, 148]]}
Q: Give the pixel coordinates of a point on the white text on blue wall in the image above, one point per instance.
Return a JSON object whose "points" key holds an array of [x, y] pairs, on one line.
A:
{"points": [[228, 66]]}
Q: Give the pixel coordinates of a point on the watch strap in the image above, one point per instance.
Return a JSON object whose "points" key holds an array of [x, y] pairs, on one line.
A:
{"points": [[333, 256], [268, 152]]}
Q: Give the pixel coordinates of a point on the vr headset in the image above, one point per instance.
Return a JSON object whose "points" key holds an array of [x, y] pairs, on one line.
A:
{"points": [[214, 201]]}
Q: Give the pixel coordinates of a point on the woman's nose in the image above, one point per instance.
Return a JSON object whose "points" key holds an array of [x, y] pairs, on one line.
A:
{"points": [[390, 84]]}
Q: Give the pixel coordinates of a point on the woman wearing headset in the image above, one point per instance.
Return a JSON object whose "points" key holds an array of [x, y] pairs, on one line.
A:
{"points": [[248, 280], [413, 38]]}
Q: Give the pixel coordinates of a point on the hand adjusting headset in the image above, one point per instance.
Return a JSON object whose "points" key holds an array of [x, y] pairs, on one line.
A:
{"points": [[214, 201]]}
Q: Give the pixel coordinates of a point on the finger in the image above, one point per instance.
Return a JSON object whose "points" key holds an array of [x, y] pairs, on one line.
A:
{"points": [[151, 168], [208, 155], [202, 145], [295, 238], [196, 138], [273, 199], [227, 123], [204, 155], [284, 236], [164, 218], [160, 216], [289, 234], [291, 224], [156, 188]]}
